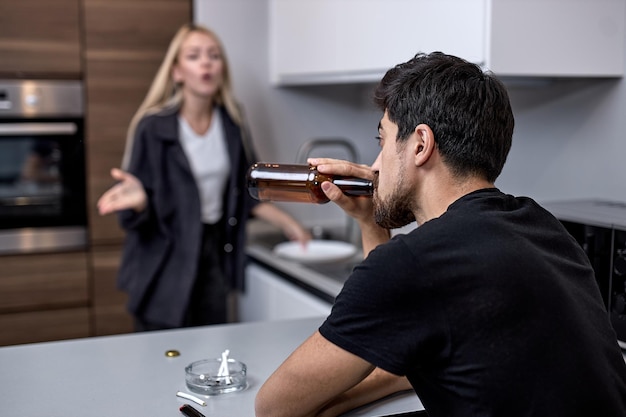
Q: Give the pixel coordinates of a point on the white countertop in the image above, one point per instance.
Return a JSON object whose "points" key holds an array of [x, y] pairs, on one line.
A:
{"points": [[129, 375]]}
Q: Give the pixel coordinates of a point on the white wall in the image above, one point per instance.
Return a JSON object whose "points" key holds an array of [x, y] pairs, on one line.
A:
{"points": [[569, 141]]}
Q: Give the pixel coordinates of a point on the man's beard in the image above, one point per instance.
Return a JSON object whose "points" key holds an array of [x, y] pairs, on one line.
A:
{"points": [[395, 211]]}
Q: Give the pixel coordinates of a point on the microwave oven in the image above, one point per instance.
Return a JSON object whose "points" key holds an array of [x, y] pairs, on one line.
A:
{"points": [[599, 226]]}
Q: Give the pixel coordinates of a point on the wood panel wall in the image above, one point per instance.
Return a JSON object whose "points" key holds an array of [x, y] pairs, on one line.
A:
{"points": [[115, 46], [44, 297], [124, 43], [40, 38]]}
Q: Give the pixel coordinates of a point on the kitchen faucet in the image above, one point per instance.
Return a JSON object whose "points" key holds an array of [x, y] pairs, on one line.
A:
{"points": [[307, 147], [305, 151]]}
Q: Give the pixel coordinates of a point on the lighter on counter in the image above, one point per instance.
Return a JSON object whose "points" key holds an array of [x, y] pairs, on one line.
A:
{"points": [[189, 411]]}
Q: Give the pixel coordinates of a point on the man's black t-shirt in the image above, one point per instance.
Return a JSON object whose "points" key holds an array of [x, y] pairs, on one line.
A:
{"points": [[491, 309]]}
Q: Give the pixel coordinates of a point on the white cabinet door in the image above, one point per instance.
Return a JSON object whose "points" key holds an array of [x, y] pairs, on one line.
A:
{"points": [[270, 297], [334, 41], [557, 38], [359, 40]]}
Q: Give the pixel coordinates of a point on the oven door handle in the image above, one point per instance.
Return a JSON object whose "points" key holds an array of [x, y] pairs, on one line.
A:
{"points": [[21, 129], [29, 201]]}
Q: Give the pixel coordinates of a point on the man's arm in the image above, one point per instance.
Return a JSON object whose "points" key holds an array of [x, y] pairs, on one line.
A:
{"points": [[320, 379], [378, 384]]}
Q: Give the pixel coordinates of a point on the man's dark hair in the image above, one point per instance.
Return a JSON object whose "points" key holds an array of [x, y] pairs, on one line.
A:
{"points": [[467, 109]]}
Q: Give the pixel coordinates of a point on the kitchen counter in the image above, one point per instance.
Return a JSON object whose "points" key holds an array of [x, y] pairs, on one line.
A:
{"points": [[323, 280], [130, 375]]}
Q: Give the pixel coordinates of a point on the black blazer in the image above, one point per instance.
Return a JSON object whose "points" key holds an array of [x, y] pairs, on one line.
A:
{"points": [[162, 245]]}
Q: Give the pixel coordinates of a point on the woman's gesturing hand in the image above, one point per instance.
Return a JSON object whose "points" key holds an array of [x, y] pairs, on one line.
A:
{"points": [[128, 193]]}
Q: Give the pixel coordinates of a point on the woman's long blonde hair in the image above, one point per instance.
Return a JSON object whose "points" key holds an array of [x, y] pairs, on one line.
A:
{"points": [[165, 93]]}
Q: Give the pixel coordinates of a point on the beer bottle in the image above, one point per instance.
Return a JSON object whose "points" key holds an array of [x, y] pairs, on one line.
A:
{"points": [[299, 183]]}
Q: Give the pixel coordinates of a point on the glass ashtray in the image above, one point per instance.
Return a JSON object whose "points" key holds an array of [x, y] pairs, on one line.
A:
{"points": [[204, 377]]}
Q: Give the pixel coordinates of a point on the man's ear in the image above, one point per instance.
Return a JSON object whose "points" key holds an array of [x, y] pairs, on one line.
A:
{"points": [[424, 144]]}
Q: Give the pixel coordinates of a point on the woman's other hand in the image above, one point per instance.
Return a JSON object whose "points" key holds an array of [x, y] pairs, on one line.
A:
{"points": [[291, 228], [128, 193]]}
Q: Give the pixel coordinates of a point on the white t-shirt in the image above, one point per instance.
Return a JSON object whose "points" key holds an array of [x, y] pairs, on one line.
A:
{"points": [[210, 164]]}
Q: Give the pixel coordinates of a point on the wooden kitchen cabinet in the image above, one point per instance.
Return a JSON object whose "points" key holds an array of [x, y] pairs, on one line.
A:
{"points": [[110, 315], [124, 43], [44, 297], [50, 280], [115, 47], [40, 39], [44, 326], [329, 41]]}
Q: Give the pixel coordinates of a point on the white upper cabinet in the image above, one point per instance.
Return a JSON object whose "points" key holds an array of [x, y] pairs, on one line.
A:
{"points": [[334, 41]]}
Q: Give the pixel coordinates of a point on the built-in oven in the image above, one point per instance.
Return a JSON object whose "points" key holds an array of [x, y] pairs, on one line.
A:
{"points": [[600, 228], [42, 166]]}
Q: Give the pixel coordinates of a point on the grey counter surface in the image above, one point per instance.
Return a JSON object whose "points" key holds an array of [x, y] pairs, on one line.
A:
{"points": [[129, 375], [593, 212]]}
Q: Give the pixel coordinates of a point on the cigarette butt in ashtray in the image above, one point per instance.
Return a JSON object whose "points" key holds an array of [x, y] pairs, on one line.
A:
{"points": [[224, 371]]}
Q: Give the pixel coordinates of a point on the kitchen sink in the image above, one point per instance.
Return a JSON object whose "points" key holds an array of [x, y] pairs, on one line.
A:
{"points": [[338, 270]]}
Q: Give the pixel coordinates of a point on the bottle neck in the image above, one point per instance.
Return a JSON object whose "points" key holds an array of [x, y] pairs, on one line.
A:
{"points": [[356, 187]]}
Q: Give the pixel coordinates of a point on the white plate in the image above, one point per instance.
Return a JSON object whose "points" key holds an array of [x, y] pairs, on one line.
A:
{"points": [[316, 251]]}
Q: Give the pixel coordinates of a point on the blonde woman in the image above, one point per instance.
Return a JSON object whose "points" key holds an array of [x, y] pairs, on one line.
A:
{"points": [[181, 193]]}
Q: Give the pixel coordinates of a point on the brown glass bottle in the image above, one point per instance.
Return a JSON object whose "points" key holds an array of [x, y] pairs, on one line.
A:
{"points": [[299, 183]]}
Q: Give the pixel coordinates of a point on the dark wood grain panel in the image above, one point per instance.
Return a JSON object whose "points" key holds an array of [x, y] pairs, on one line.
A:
{"points": [[124, 43], [109, 304], [43, 281], [116, 47], [115, 89], [137, 25], [44, 326], [111, 319], [40, 38]]}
